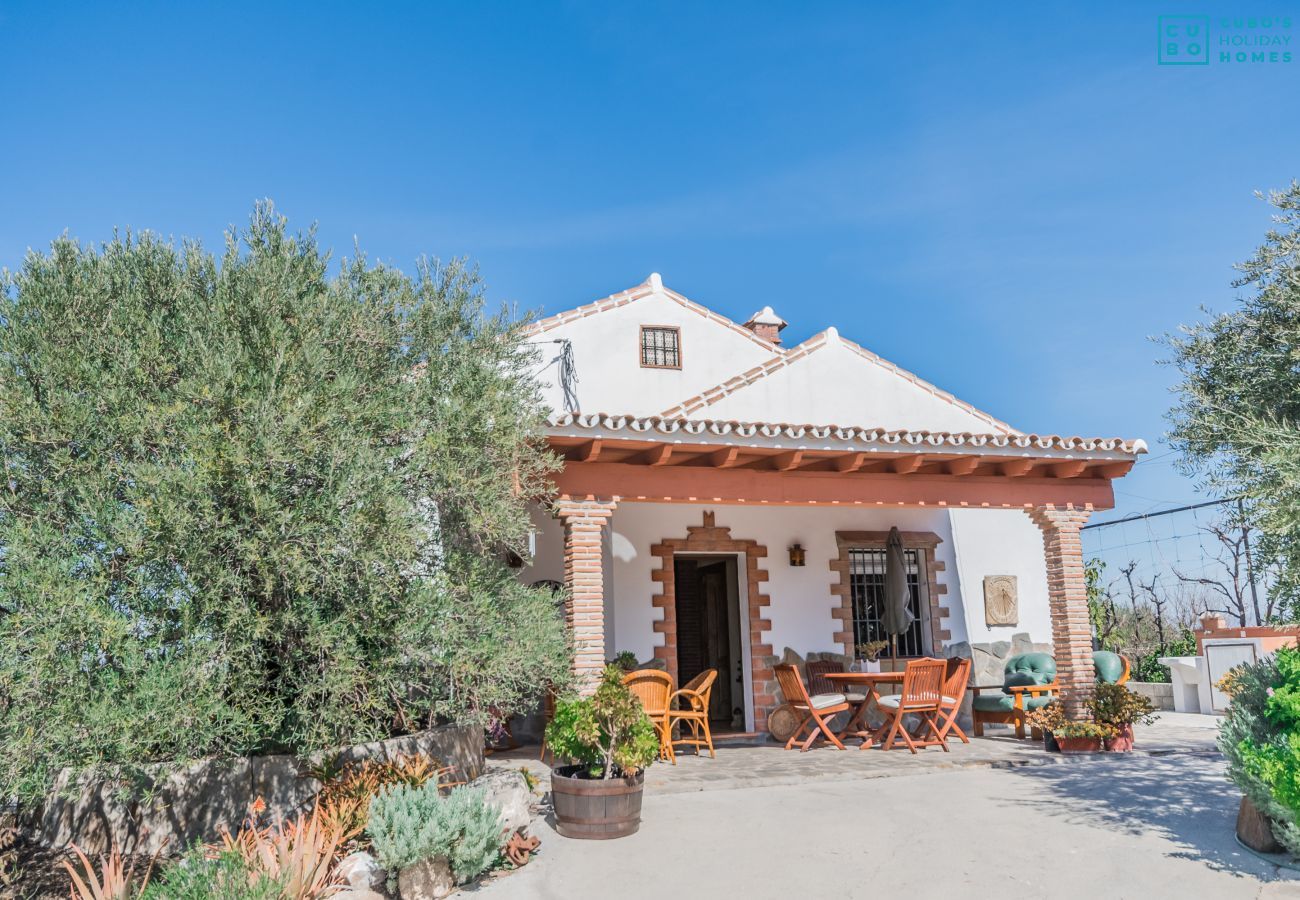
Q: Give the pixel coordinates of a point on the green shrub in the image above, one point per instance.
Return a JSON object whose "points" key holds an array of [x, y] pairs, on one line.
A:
{"points": [[408, 824], [252, 507], [196, 877], [608, 732], [1260, 739]]}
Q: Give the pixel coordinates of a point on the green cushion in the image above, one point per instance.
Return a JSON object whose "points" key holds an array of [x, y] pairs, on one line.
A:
{"points": [[1022, 679], [1039, 666], [1006, 703], [1109, 666]]}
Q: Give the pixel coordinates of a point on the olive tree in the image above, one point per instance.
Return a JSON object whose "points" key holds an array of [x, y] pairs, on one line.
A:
{"points": [[1237, 419], [253, 504]]}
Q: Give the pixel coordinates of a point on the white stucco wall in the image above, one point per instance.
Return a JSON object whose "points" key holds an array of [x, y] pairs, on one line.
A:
{"points": [[607, 357], [1001, 542], [975, 543], [836, 385]]}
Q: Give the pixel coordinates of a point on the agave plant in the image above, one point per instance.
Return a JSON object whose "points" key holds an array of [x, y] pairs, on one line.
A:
{"points": [[112, 881], [299, 854]]}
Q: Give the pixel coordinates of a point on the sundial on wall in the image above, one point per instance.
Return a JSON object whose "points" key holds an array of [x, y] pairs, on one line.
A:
{"points": [[1001, 600]]}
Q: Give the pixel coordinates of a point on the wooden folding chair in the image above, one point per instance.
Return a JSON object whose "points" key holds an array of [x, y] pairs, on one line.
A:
{"points": [[818, 683], [956, 676], [693, 711], [922, 696], [817, 710], [653, 688]]}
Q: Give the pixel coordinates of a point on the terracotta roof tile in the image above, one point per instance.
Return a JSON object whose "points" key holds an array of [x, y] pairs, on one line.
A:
{"points": [[921, 439]]}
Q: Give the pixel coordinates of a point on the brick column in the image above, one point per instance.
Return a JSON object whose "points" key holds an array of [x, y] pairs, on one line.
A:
{"points": [[1068, 597], [584, 609]]}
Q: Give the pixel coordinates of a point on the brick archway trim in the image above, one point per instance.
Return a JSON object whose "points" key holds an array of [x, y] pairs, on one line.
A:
{"points": [[709, 538]]}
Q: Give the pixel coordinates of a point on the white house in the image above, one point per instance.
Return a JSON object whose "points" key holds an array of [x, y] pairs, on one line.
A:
{"points": [[725, 497]]}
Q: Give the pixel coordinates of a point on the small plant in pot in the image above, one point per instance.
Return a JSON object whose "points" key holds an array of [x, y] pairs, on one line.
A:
{"points": [[625, 660], [869, 655], [1082, 736], [1047, 719], [610, 741], [1117, 706]]}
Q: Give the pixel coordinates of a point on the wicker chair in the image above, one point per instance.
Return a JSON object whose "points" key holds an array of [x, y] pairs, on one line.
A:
{"points": [[654, 688], [693, 711], [816, 710], [923, 683]]}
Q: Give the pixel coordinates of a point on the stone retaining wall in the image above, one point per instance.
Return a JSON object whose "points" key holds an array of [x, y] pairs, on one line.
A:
{"points": [[989, 660], [173, 808]]}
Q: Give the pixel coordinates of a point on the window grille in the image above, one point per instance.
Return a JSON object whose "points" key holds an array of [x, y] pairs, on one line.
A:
{"points": [[867, 591], [661, 347]]}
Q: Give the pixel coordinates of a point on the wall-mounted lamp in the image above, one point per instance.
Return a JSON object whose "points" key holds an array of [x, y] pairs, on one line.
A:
{"points": [[796, 555]]}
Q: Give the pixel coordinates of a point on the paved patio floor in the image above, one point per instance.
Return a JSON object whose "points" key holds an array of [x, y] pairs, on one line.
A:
{"points": [[995, 815]]}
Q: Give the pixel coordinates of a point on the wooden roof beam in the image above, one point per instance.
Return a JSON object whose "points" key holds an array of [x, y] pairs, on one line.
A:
{"points": [[657, 456], [849, 462], [724, 458], [1016, 468], [962, 465], [905, 465], [784, 462], [1070, 469]]}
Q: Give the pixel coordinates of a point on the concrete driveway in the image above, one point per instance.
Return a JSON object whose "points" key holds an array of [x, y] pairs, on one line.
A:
{"points": [[1141, 826]]}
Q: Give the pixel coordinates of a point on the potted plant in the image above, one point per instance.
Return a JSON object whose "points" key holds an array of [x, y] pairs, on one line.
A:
{"points": [[1117, 706], [1082, 736], [1047, 719], [610, 741], [625, 660], [869, 655], [1258, 737]]}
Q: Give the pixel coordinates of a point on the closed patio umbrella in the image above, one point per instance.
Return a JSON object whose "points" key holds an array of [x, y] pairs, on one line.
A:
{"points": [[897, 612]]}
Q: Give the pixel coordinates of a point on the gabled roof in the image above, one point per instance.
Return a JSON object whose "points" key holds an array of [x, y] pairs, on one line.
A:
{"points": [[817, 342], [653, 284]]}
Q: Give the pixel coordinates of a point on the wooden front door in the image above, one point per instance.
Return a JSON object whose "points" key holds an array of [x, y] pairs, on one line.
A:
{"points": [[705, 628]]}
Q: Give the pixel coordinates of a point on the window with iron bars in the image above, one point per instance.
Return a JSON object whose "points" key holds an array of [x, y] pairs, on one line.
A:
{"points": [[867, 591], [661, 347]]}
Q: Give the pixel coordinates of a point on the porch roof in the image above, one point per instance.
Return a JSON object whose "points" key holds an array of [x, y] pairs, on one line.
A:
{"points": [[701, 460]]}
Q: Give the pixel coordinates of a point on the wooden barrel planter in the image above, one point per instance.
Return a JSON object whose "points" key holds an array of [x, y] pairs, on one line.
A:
{"points": [[596, 809]]}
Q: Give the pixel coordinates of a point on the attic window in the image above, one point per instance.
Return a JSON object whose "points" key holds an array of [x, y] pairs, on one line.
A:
{"points": [[661, 347]]}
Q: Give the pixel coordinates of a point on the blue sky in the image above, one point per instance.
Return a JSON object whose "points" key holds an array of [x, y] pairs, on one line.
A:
{"points": [[1007, 200]]}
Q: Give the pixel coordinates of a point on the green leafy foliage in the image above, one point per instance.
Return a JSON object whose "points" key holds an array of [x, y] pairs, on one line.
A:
{"points": [[608, 732], [1260, 739], [1114, 704], [408, 824], [1237, 422], [1283, 708], [252, 507], [199, 876], [625, 660]]}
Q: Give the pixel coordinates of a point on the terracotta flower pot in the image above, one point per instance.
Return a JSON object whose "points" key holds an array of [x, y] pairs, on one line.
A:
{"points": [[1078, 744], [1122, 742], [595, 809]]}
